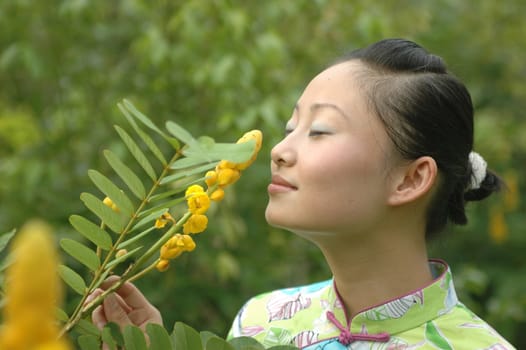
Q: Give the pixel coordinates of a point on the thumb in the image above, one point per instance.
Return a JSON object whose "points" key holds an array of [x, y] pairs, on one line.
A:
{"points": [[115, 311]]}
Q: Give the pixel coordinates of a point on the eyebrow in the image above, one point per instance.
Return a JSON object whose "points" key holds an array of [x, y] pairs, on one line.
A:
{"points": [[319, 105]]}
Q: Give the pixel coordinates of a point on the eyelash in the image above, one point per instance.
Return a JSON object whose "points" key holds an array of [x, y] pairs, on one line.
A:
{"points": [[311, 133]]}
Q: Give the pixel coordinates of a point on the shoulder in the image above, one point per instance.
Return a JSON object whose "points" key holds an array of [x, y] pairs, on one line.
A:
{"points": [[461, 328]]}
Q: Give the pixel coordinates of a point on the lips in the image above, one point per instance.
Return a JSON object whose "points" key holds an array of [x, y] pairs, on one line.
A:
{"points": [[279, 185]]}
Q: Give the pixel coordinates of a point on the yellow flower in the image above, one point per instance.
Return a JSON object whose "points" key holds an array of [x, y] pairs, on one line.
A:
{"points": [[257, 136], [162, 265], [195, 224], [227, 176], [32, 288], [109, 203], [163, 220], [197, 199], [218, 195], [176, 245]]}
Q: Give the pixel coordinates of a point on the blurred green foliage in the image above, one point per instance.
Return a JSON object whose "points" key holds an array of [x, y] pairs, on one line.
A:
{"points": [[221, 67]]}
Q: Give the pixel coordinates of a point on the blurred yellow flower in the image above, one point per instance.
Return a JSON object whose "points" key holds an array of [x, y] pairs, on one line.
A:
{"points": [[197, 199], [498, 229], [163, 220], [196, 223], [32, 289], [511, 192]]}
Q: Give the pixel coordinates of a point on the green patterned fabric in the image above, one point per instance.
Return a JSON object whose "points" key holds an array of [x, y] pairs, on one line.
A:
{"points": [[313, 318]]}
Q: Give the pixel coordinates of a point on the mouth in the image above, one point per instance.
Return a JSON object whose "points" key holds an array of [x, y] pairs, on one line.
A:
{"points": [[279, 185]]}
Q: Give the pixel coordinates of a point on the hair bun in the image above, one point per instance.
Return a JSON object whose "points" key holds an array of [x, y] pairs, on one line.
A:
{"points": [[491, 183]]}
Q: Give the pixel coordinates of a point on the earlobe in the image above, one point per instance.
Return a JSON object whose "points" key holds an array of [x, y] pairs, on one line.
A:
{"points": [[414, 181]]}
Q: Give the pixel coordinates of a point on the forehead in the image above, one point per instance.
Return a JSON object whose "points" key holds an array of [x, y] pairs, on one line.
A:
{"points": [[337, 85]]}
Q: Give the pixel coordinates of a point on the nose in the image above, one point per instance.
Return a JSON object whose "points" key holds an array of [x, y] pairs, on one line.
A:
{"points": [[283, 154]]}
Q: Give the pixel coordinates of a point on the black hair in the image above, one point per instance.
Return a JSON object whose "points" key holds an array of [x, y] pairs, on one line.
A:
{"points": [[426, 111]]}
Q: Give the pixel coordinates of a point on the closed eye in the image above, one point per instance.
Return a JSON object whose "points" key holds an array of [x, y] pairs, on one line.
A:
{"points": [[318, 133]]}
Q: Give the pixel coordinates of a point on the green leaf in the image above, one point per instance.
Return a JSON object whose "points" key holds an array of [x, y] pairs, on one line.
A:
{"points": [[144, 136], [84, 326], [88, 342], [122, 258], [108, 339], [283, 347], [216, 343], [112, 191], [206, 335], [5, 238], [167, 204], [81, 253], [189, 172], [150, 216], [135, 238], [137, 153], [242, 343], [61, 315], [159, 337], [126, 174], [113, 330], [72, 279], [189, 162], [182, 134], [112, 219], [185, 337], [134, 338], [142, 118], [234, 152], [91, 231]]}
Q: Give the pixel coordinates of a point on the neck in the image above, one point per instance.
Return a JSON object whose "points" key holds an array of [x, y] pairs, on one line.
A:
{"points": [[370, 270]]}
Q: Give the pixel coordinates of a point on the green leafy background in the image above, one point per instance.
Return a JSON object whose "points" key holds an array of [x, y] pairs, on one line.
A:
{"points": [[220, 68]]}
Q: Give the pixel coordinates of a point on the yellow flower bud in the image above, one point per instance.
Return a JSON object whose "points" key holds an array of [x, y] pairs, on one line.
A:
{"points": [[195, 224], [162, 265], [227, 176], [121, 252], [211, 178], [218, 195], [109, 203]]}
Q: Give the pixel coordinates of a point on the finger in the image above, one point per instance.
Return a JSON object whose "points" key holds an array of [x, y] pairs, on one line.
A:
{"points": [[91, 297], [142, 317], [110, 281], [132, 296], [114, 312], [98, 317]]}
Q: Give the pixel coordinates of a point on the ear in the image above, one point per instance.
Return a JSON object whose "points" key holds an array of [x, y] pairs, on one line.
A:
{"points": [[413, 181]]}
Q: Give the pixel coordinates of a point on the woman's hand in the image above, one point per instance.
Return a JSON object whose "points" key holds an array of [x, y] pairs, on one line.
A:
{"points": [[126, 306]]}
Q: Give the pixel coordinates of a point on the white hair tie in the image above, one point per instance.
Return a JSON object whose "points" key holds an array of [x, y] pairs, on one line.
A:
{"points": [[478, 170]]}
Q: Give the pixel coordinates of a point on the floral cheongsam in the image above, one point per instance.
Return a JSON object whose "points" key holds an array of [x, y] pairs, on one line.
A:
{"points": [[312, 317]]}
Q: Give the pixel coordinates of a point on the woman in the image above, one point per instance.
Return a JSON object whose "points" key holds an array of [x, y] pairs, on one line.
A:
{"points": [[377, 158]]}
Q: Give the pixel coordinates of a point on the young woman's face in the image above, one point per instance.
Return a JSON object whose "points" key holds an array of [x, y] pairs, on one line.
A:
{"points": [[330, 172]]}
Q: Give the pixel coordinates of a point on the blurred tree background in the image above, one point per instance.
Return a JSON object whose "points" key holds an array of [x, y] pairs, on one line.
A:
{"points": [[219, 68]]}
